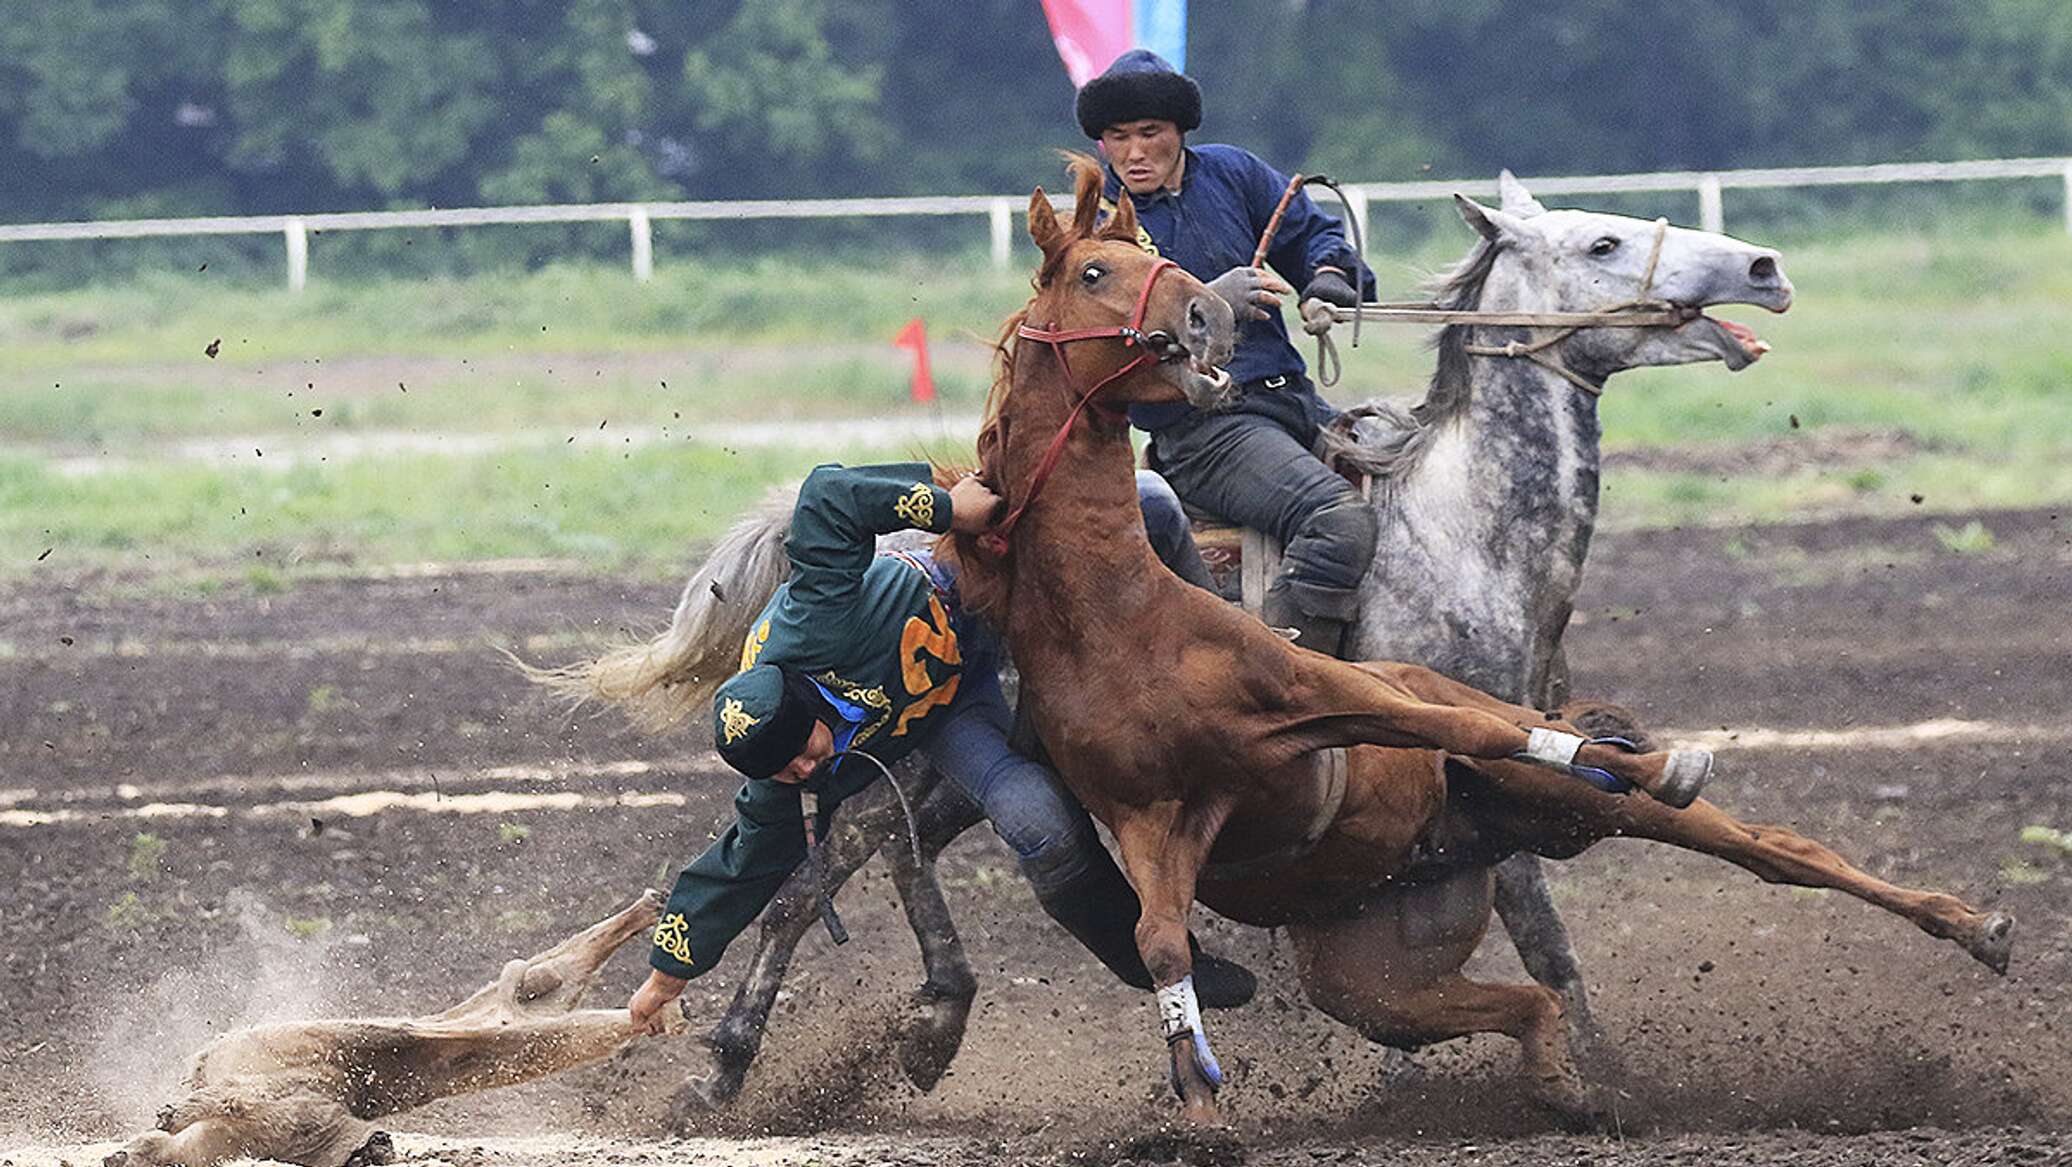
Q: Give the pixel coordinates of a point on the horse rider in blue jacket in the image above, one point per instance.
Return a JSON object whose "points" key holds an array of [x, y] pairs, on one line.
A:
{"points": [[869, 652], [1205, 207]]}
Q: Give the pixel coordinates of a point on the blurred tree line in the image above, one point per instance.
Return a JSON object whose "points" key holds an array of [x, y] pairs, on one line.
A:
{"points": [[170, 107]]}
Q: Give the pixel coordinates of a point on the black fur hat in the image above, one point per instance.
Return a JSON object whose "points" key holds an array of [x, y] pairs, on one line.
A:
{"points": [[1138, 85]]}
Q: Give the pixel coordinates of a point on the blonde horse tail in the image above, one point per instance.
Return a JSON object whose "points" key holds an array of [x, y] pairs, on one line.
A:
{"points": [[664, 682]]}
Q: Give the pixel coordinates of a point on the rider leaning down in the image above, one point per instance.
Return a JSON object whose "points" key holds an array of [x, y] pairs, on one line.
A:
{"points": [[868, 652]]}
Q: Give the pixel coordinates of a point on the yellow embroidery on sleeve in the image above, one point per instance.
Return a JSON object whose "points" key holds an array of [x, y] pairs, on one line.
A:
{"points": [[735, 721], [752, 647], [672, 936], [918, 507]]}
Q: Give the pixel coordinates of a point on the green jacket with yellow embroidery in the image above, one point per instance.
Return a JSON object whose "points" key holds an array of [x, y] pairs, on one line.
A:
{"points": [[869, 628]]}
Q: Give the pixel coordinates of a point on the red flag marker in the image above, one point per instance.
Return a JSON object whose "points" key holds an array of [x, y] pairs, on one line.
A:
{"points": [[915, 336]]}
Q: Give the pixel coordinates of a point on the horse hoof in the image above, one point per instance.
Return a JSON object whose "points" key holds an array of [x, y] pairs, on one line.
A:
{"points": [[1205, 1142], [1683, 777], [1993, 944], [932, 1039], [698, 1101], [1572, 1105], [377, 1151]]}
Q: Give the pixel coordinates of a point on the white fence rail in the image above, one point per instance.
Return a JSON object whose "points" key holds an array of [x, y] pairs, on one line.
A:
{"points": [[999, 211]]}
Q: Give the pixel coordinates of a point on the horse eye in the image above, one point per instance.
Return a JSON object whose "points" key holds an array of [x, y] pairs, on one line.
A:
{"points": [[1604, 246], [1092, 274]]}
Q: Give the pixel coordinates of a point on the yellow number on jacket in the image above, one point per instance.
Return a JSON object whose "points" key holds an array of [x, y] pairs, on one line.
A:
{"points": [[918, 641]]}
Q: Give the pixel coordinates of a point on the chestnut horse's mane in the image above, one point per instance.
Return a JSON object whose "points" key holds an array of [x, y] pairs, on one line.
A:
{"points": [[983, 580]]}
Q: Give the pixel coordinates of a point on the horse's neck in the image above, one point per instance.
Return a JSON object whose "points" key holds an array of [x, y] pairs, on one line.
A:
{"points": [[1517, 465], [1491, 526], [1083, 536]]}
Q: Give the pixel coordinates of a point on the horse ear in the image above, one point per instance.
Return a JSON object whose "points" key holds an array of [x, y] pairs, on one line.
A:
{"points": [[1087, 215], [1516, 199], [1044, 227], [1122, 224], [1490, 223]]}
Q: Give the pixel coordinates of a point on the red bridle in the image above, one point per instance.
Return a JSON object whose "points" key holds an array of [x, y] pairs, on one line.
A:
{"points": [[994, 542]]}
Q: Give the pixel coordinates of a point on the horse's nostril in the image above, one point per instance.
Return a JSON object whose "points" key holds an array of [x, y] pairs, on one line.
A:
{"points": [[1197, 321], [1763, 270]]}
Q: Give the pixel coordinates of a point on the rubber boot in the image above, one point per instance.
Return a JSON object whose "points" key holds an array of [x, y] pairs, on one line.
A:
{"points": [[1278, 609], [1099, 909]]}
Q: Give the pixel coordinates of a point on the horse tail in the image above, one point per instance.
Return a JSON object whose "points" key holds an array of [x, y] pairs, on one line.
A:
{"points": [[663, 682]]}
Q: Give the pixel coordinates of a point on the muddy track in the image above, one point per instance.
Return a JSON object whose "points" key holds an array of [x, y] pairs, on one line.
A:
{"points": [[1757, 1024]]}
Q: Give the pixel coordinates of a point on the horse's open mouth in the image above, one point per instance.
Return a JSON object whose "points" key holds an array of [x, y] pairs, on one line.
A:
{"points": [[1739, 346], [1217, 377], [1171, 352]]}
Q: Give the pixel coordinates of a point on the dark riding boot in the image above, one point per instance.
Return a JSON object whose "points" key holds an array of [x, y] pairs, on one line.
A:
{"points": [[1280, 608], [1099, 909]]}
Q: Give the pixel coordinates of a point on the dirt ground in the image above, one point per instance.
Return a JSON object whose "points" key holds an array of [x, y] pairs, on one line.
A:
{"points": [[192, 837]]}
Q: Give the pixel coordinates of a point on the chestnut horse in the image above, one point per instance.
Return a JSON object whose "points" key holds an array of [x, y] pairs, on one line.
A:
{"points": [[1207, 744]]}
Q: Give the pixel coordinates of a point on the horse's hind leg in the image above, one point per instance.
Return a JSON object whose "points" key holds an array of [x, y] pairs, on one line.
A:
{"points": [[1780, 855], [291, 1126], [1550, 813], [1393, 973]]}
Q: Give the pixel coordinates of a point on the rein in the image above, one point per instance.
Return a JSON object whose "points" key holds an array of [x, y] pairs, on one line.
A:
{"points": [[1329, 366], [1639, 312], [994, 541]]}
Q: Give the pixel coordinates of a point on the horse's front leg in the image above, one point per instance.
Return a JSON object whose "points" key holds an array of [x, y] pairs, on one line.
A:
{"points": [[943, 1003], [1525, 900], [1408, 706], [864, 825], [1525, 904], [1163, 849]]}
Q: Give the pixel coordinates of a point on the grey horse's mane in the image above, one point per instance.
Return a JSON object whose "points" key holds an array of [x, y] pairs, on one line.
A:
{"points": [[1388, 434]]}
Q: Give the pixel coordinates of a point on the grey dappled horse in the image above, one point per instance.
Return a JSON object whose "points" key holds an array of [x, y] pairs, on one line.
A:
{"points": [[1486, 492]]}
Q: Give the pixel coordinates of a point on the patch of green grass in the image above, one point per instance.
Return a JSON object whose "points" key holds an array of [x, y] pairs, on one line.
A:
{"points": [[510, 832], [1972, 538], [264, 580], [1635, 498], [564, 308], [2042, 836], [129, 913], [1954, 339], [146, 856], [605, 509], [305, 927]]}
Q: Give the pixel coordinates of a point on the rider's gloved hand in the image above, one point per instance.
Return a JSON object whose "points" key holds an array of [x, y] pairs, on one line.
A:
{"points": [[1331, 286], [1328, 289], [1253, 293]]}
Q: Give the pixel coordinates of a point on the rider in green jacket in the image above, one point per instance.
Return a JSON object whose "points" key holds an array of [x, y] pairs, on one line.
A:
{"points": [[872, 652]]}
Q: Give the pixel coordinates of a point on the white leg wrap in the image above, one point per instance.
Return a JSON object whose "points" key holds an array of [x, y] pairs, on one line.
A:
{"points": [[1178, 1010], [1552, 747]]}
